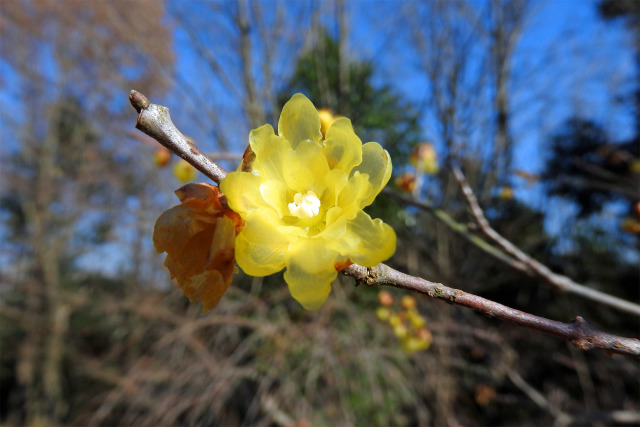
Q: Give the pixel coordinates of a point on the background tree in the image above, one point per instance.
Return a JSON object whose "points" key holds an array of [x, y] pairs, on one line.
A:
{"points": [[93, 331], [60, 178]]}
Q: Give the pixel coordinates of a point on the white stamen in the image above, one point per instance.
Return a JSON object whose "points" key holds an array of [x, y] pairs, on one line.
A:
{"points": [[306, 206]]}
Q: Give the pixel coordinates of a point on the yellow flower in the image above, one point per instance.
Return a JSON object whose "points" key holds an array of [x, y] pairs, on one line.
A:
{"points": [[184, 171], [302, 202], [424, 158]]}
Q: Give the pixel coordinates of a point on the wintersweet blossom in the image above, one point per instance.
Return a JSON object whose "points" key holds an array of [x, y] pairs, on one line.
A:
{"points": [[198, 236], [302, 202]]}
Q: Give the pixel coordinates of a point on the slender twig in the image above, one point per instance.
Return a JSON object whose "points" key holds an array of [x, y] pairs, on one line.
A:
{"points": [[561, 418], [458, 228], [579, 333], [560, 282], [154, 121]]}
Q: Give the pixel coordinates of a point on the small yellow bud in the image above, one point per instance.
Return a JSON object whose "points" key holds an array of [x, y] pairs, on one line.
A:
{"points": [[408, 302], [184, 171], [161, 157], [383, 313], [326, 119], [406, 182], [395, 320], [400, 331], [424, 158], [416, 320], [425, 335], [630, 225], [385, 298], [505, 193], [413, 345]]}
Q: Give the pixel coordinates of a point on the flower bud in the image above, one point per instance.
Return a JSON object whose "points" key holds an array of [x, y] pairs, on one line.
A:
{"points": [[161, 157], [385, 298], [184, 171], [424, 158]]}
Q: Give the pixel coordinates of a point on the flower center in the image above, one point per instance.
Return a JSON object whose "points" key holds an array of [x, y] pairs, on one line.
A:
{"points": [[306, 206]]}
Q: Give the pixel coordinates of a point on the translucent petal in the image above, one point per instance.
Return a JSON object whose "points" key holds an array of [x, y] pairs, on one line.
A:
{"points": [[335, 182], [298, 178], [336, 225], [376, 163], [243, 192], [272, 152], [310, 271], [357, 189], [343, 148], [366, 242], [274, 193], [310, 156], [261, 247], [299, 121]]}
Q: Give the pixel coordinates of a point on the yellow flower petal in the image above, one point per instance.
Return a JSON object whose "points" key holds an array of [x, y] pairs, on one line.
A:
{"points": [[351, 198], [260, 247], [274, 192], [299, 179], [335, 181], [243, 192], [367, 242], [342, 146], [310, 156], [377, 164], [310, 271], [272, 152], [299, 121]]}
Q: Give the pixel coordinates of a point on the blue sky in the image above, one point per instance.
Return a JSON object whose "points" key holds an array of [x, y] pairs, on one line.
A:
{"points": [[578, 62], [581, 64], [577, 58]]}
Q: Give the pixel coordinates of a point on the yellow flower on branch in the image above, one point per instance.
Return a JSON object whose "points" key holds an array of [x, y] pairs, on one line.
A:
{"points": [[302, 202], [198, 236], [424, 158]]}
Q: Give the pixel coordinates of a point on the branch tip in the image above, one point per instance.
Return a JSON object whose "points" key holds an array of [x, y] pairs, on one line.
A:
{"points": [[138, 100]]}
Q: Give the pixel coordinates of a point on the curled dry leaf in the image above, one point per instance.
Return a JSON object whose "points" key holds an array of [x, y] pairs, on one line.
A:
{"points": [[199, 236]]}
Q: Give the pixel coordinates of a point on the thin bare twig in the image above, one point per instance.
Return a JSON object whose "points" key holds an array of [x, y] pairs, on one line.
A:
{"points": [[561, 419], [579, 333], [458, 228], [560, 282], [154, 121]]}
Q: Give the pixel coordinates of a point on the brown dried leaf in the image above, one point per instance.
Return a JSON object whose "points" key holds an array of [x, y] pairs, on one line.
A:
{"points": [[199, 238]]}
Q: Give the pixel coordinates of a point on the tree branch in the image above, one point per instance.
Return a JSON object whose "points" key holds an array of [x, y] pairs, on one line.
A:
{"points": [[154, 120], [560, 282], [579, 333], [459, 228]]}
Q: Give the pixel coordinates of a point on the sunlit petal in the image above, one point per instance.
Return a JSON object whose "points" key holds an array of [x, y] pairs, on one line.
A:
{"points": [[377, 164], [343, 148], [299, 121], [310, 271], [260, 247]]}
